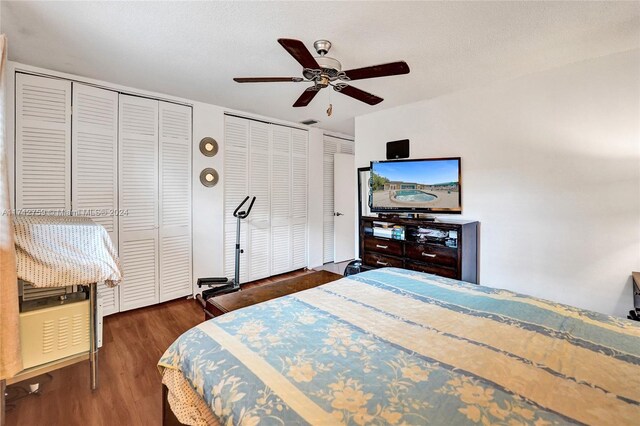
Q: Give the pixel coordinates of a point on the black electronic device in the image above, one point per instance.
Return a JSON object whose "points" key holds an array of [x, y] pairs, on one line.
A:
{"points": [[398, 149], [428, 185]]}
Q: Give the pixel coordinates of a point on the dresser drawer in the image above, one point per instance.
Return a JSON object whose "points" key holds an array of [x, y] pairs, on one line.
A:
{"points": [[433, 269], [379, 261], [383, 246], [433, 254]]}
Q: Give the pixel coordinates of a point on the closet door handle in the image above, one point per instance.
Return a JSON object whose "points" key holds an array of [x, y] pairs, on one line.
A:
{"points": [[379, 246], [382, 263], [428, 255]]}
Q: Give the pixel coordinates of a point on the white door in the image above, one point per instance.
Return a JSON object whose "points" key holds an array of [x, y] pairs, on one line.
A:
{"points": [[258, 224], [175, 201], [299, 188], [94, 178], [43, 143], [331, 146], [281, 200], [344, 193], [236, 187], [138, 197]]}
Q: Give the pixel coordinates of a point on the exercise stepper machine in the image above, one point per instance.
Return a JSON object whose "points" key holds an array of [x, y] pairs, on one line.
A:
{"points": [[223, 285]]}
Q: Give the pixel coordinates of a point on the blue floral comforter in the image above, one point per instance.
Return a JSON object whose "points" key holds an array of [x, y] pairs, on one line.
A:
{"points": [[396, 347]]}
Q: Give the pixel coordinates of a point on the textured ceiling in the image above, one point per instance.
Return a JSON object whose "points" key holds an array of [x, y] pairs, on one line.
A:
{"points": [[193, 50]]}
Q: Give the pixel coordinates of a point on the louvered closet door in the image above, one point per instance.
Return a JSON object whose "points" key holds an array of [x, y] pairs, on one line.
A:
{"points": [[94, 168], [280, 200], [331, 146], [138, 197], [43, 143], [258, 223], [175, 201], [236, 187], [299, 141]]}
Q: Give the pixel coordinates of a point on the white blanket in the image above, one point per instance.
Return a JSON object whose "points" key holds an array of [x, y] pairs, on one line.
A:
{"points": [[57, 251]]}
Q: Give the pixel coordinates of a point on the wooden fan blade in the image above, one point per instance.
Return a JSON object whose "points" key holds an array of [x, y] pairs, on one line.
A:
{"points": [[358, 94], [297, 49], [267, 79], [382, 70], [306, 97]]}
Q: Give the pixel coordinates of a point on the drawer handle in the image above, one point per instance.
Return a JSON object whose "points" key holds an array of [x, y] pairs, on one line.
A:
{"points": [[382, 263], [428, 254], [379, 246]]}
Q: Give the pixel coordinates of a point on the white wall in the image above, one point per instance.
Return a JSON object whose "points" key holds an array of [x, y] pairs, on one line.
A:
{"points": [[208, 208], [551, 169]]}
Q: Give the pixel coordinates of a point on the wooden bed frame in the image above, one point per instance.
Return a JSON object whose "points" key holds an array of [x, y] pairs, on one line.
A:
{"points": [[168, 418]]}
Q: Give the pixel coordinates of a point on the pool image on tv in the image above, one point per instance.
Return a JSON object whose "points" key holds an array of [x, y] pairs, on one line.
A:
{"points": [[421, 184]]}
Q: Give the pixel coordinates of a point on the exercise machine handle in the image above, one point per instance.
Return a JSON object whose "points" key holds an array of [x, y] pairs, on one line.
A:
{"points": [[243, 214], [253, 200], [235, 212]]}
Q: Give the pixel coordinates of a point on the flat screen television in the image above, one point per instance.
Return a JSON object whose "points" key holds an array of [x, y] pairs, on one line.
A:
{"points": [[429, 185]]}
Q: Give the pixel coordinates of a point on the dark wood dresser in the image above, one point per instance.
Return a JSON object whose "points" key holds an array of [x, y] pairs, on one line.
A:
{"points": [[445, 248]]}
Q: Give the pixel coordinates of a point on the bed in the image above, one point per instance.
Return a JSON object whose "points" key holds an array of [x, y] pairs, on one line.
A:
{"points": [[392, 346]]}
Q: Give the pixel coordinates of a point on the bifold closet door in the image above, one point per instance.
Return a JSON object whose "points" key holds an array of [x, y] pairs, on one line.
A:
{"points": [[175, 201], [299, 189], [138, 198], [281, 200], [267, 161], [258, 223], [43, 143], [331, 146], [236, 187], [94, 169]]}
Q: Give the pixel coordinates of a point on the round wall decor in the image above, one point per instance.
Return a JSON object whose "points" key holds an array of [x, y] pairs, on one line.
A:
{"points": [[209, 177], [208, 146]]}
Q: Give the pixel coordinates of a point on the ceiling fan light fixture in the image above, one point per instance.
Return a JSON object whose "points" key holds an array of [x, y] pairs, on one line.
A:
{"points": [[322, 46], [329, 63]]}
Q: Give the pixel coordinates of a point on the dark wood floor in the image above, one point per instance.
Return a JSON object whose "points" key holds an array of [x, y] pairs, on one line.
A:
{"points": [[130, 392]]}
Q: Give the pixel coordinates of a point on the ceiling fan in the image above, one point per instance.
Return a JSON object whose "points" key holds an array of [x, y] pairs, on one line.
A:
{"points": [[325, 71]]}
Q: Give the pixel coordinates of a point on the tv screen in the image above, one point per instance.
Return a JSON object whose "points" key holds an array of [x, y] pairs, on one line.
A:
{"points": [[427, 185]]}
